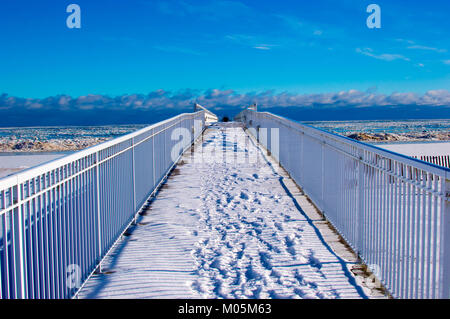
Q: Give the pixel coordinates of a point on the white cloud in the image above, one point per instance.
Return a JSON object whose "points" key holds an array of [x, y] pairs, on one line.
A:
{"points": [[250, 41], [385, 56], [262, 47], [422, 47]]}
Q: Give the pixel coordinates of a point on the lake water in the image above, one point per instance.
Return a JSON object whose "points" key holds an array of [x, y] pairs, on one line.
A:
{"points": [[383, 126]]}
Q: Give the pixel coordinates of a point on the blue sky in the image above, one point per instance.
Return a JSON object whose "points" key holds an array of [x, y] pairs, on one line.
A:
{"points": [[142, 57], [139, 46]]}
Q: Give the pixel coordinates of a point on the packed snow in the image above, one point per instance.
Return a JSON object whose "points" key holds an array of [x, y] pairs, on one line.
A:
{"points": [[419, 149], [13, 163], [224, 226]]}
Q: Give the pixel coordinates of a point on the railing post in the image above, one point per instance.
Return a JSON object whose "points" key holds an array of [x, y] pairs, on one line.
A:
{"points": [[323, 175], [360, 204], [153, 159], [133, 176], [445, 246], [99, 220], [275, 144], [19, 248], [302, 159]]}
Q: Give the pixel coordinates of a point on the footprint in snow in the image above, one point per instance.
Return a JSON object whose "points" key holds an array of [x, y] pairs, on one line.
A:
{"points": [[314, 262], [279, 226], [265, 260], [251, 274], [244, 196], [289, 242]]}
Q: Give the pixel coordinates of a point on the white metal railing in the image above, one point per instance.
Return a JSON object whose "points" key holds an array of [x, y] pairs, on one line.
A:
{"points": [[210, 117], [392, 209], [58, 220]]}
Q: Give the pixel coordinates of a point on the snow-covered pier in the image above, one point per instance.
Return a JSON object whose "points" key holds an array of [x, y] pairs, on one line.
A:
{"points": [[227, 229], [263, 207]]}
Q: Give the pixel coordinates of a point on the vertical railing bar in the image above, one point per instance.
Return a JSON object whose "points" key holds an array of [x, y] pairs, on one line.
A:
{"points": [[393, 224], [40, 243], [97, 204], [444, 258], [51, 237], [322, 178], [409, 236], [367, 210], [384, 223], [153, 160], [370, 211], [430, 235], [108, 208], [21, 286], [63, 235], [80, 223], [416, 219], [133, 164], [423, 233], [72, 239], [402, 230], [13, 234], [87, 214], [396, 245], [375, 222], [92, 216], [380, 217], [3, 250], [73, 229], [77, 260], [6, 267], [31, 269], [28, 243], [83, 233], [59, 241], [46, 213], [105, 207], [435, 232], [41, 233], [35, 243]]}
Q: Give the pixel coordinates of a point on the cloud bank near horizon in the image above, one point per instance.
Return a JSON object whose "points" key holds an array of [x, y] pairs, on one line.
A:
{"points": [[160, 104], [220, 99]]}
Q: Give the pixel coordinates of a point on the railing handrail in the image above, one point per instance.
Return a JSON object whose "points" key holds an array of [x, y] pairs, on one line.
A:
{"points": [[37, 170], [198, 106], [440, 170]]}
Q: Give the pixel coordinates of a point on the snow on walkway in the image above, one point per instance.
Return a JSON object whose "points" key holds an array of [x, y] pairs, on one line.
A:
{"points": [[223, 230]]}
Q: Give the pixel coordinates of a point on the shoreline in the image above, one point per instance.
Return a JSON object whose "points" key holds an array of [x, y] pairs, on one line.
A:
{"points": [[60, 145], [10, 147], [386, 138]]}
